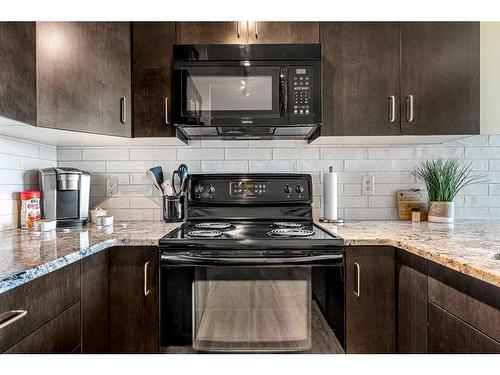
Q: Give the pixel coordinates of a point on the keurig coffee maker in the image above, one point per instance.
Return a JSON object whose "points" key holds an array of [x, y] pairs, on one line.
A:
{"points": [[65, 195]]}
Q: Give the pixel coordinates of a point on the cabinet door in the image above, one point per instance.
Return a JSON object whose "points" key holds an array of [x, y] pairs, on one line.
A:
{"points": [[283, 32], [370, 300], [450, 335], [360, 78], [152, 47], [440, 74], [95, 303], [133, 300], [228, 32], [411, 276], [84, 76], [18, 71]]}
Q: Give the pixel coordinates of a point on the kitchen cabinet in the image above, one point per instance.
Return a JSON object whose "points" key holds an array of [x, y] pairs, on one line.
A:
{"points": [[360, 78], [133, 300], [370, 300], [95, 303], [152, 49], [411, 284], [60, 335], [440, 78], [18, 71], [410, 78], [282, 32], [227, 32], [84, 76], [27, 307]]}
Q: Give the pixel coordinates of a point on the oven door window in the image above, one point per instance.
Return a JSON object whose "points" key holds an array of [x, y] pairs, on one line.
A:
{"points": [[257, 309], [230, 92]]}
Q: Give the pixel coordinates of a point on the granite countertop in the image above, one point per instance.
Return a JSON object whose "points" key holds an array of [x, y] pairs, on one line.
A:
{"points": [[463, 246]]}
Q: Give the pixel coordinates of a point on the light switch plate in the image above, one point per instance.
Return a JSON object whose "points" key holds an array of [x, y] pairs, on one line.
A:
{"points": [[111, 187], [368, 185]]}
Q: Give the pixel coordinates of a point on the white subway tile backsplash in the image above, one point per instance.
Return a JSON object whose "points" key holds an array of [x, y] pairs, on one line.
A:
{"points": [[482, 152], [9, 161], [271, 166], [292, 154], [200, 154], [215, 143], [129, 166], [224, 166], [145, 202], [64, 154], [153, 154], [103, 153], [367, 165], [48, 152], [319, 165], [89, 166], [137, 190], [494, 189], [494, 140], [369, 213], [248, 154], [352, 201], [391, 153], [433, 152], [344, 153]]}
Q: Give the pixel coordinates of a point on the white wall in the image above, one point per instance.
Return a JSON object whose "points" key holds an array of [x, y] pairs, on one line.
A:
{"points": [[391, 165], [19, 161], [490, 77]]}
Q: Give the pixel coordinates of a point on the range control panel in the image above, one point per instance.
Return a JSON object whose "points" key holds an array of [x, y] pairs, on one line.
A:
{"points": [[301, 86], [263, 188]]}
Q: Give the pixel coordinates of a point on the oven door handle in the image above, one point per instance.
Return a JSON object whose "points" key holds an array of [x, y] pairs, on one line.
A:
{"points": [[180, 259]]}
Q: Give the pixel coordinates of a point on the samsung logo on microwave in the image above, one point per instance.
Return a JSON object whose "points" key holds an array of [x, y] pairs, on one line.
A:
{"points": [[246, 121]]}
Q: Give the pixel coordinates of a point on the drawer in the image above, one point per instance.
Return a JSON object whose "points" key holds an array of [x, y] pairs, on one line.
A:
{"points": [[450, 335], [59, 336], [469, 299], [37, 302]]}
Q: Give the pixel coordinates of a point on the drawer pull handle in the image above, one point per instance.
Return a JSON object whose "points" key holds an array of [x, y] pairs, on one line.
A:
{"points": [[357, 292], [166, 111], [392, 108], [123, 110], [146, 290], [10, 317], [409, 108]]}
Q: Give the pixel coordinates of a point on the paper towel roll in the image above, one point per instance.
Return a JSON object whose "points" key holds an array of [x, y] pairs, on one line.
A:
{"points": [[330, 194]]}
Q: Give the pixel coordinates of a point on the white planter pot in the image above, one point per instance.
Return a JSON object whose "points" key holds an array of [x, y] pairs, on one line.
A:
{"points": [[441, 212]]}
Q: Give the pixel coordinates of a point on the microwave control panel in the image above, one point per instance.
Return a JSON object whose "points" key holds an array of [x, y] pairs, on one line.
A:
{"points": [[301, 82]]}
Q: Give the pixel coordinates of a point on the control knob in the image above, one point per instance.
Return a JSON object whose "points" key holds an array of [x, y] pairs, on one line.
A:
{"points": [[287, 189], [198, 189], [211, 189], [299, 189]]}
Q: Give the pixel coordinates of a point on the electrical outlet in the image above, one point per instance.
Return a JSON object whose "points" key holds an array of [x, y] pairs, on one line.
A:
{"points": [[368, 185], [111, 187]]}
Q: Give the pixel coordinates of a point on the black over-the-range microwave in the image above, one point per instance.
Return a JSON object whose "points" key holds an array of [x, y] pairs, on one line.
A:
{"points": [[247, 91]]}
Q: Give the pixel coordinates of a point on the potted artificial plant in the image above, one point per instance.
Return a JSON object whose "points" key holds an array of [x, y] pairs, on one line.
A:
{"points": [[444, 179]]}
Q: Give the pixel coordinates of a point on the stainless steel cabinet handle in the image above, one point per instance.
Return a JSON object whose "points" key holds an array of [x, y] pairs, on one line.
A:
{"points": [[146, 290], [10, 317], [409, 108], [238, 29], [392, 108], [166, 111], [123, 110], [256, 29], [357, 292]]}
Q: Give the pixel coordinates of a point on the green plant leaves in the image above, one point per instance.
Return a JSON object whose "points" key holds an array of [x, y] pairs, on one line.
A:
{"points": [[445, 178]]}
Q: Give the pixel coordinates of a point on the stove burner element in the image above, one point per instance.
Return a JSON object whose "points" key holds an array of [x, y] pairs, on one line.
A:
{"points": [[286, 224], [213, 225], [287, 232], [205, 233]]}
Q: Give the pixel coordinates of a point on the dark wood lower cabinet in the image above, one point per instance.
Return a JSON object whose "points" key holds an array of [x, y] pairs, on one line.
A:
{"points": [[133, 300], [450, 335], [95, 303], [370, 300], [411, 283], [60, 335]]}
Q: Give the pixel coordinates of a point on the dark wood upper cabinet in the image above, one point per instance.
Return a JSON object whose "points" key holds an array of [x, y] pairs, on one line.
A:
{"points": [[133, 300], [440, 73], [282, 32], [18, 71], [227, 32], [370, 300], [84, 76], [95, 303], [152, 48], [360, 78], [411, 284]]}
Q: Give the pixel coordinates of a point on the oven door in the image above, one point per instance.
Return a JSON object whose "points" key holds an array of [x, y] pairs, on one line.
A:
{"points": [[229, 94], [252, 303]]}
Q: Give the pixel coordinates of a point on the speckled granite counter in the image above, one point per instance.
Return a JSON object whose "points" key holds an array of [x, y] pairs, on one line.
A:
{"points": [[464, 246], [26, 255]]}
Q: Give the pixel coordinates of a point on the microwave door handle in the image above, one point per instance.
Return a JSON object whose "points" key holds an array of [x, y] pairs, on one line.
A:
{"points": [[283, 92], [221, 261]]}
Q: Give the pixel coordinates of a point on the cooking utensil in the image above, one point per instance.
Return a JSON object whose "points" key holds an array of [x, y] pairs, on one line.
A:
{"points": [[155, 174], [167, 188], [179, 179]]}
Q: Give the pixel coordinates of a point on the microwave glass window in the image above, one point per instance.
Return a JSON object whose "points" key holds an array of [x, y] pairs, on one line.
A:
{"points": [[207, 94]]}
